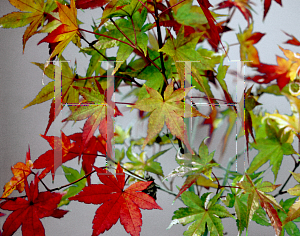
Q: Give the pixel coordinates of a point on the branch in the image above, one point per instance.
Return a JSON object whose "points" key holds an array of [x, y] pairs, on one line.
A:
{"points": [[67, 185], [287, 180], [160, 44]]}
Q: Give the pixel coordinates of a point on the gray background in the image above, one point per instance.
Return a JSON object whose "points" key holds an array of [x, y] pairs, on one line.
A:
{"points": [[20, 82]]}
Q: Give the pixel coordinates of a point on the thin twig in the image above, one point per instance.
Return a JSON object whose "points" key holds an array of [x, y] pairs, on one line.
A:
{"points": [[160, 46]]}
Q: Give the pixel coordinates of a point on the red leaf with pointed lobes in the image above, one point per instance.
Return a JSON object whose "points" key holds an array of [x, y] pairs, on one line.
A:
{"points": [[88, 151], [29, 212], [215, 38], [267, 4], [284, 72], [292, 41], [60, 151], [242, 5], [85, 4], [117, 202]]}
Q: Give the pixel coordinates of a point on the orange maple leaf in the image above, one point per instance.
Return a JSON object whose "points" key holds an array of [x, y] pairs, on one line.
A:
{"points": [[65, 33], [284, 72], [20, 172], [34, 13]]}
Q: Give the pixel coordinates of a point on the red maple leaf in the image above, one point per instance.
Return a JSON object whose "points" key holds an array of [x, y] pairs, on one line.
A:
{"points": [[215, 38], [88, 151], [59, 154], [267, 4], [292, 41], [284, 72], [85, 4], [242, 5], [97, 109], [29, 212], [117, 202]]}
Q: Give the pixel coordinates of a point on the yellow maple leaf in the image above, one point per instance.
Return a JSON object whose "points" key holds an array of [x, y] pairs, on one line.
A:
{"points": [[65, 33]]}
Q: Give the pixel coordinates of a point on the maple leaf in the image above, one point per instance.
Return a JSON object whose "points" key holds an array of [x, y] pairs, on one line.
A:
{"points": [[29, 212], [59, 154], [271, 148], [135, 31], [85, 4], [284, 72], [65, 33], [243, 6], [288, 123], [257, 194], [294, 209], [202, 212], [292, 41], [267, 4], [246, 105], [289, 226], [247, 50], [96, 112], [72, 175], [34, 13], [215, 38], [141, 163], [88, 151], [68, 94], [20, 172], [183, 49], [117, 202], [193, 165], [169, 109]]}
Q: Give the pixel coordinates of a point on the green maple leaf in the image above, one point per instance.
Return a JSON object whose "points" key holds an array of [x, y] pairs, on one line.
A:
{"points": [[182, 49], [239, 201], [124, 8], [257, 195], [193, 165], [271, 148], [72, 175], [291, 207], [169, 109], [154, 78], [134, 30], [190, 15], [140, 163], [201, 212]]}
